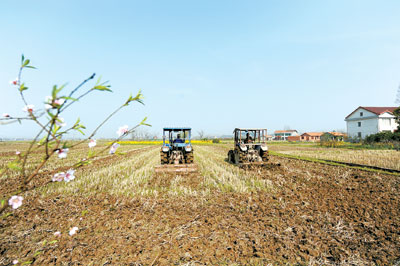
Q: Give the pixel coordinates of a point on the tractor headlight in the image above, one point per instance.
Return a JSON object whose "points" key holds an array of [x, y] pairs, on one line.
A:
{"points": [[264, 147], [188, 148], [243, 147], [165, 148]]}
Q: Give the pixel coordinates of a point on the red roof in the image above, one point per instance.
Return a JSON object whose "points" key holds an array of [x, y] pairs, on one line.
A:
{"points": [[376, 110], [337, 134], [314, 134]]}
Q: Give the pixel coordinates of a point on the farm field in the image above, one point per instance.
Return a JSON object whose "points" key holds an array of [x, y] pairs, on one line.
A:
{"points": [[382, 158], [298, 213]]}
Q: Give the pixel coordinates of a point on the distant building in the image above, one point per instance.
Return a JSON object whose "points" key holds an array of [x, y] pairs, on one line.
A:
{"points": [[365, 121], [311, 136], [268, 138], [284, 134], [336, 136], [293, 138]]}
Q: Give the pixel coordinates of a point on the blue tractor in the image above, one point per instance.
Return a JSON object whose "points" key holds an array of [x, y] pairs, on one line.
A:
{"points": [[177, 147]]}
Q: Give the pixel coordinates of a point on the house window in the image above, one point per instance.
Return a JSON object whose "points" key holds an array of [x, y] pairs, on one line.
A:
{"points": [[359, 135], [361, 113], [359, 124]]}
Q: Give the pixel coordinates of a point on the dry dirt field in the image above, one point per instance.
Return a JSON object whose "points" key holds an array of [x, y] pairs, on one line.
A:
{"points": [[300, 213], [381, 158]]}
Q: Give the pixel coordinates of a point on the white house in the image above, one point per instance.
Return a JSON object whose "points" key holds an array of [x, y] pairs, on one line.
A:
{"points": [[284, 134], [365, 121]]}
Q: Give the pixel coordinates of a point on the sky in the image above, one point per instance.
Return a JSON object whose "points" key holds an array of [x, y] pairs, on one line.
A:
{"points": [[209, 65]]}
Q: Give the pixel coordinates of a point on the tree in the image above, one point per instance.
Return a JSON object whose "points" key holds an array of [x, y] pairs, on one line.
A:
{"points": [[396, 114], [51, 138], [201, 134], [140, 134]]}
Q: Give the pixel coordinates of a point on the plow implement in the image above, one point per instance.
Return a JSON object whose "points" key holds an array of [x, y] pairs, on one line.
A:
{"points": [[176, 168]]}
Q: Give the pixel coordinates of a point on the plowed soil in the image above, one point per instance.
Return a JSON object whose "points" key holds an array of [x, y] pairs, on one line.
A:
{"points": [[316, 215]]}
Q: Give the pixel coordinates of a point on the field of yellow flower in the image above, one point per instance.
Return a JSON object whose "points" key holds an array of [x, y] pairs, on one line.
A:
{"points": [[160, 142]]}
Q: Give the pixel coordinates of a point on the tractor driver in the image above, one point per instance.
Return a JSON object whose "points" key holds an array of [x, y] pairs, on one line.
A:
{"points": [[248, 138], [178, 139]]}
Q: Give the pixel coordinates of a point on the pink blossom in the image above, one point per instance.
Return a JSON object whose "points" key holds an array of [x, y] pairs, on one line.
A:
{"points": [[57, 234], [62, 153], [92, 143], [6, 115], [28, 108], [17, 152], [69, 176], [73, 230], [122, 130], [60, 122], [53, 103], [58, 177], [15, 201], [114, 148], [14, 82], [59, 101], [15, 262]]}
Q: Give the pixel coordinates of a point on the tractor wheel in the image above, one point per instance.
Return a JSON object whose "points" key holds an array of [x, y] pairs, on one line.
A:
{"points": [[242, 157], [264, 156], [164, 158], [189, 157], [231, 157]]}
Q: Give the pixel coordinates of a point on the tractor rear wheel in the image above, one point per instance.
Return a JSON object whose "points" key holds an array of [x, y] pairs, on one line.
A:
{"points": [[189, 157], [164, 157]]}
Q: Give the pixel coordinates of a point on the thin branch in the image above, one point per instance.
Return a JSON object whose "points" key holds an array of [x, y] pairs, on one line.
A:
{"points": [[80, 85], [28, 152], [65, 105], [99, 126], [107, 147], [48, 128], [35, 173], [19, 85], [16, 118], [77, 99]]}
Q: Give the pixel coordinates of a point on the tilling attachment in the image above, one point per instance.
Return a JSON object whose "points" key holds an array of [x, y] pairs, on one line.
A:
{"points": [[176, 168]]}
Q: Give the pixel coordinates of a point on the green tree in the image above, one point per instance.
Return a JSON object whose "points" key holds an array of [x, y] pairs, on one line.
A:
{"points": [[396, 113]]}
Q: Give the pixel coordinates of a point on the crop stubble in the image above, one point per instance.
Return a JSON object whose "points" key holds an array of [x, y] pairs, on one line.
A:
{"points": [[381, 158], [302, 212]]}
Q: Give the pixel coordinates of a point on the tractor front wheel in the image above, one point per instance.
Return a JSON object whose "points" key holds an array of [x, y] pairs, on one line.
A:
{"points": [[164, 158], [189, 157], [231, 157], [242, 157], [264, 156]]}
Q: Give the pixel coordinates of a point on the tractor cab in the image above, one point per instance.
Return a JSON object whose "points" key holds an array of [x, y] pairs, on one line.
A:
{"points": [[250, 137], [177, 138], [250, 146], [176, 152]]}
